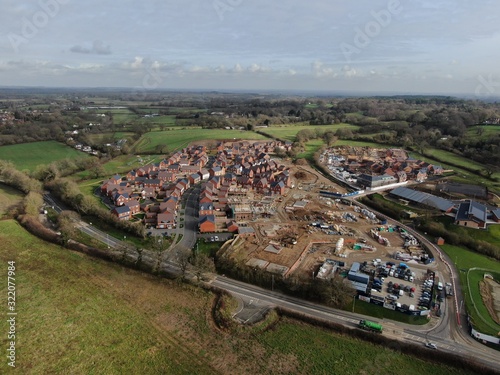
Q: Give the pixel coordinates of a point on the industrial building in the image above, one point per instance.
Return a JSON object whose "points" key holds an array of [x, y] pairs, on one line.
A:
{"points": [[358, 279], [426, 199]]}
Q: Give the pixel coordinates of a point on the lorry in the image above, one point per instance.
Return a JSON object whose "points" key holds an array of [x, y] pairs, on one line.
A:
{"points": [[370, 326]]}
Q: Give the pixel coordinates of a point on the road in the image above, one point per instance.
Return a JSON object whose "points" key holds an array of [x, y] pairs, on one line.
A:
{"points": [[447, 334], [396, 330], [188, 217]]}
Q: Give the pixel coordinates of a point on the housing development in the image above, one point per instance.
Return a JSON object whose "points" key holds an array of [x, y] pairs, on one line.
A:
{"points": [[218, 222]]}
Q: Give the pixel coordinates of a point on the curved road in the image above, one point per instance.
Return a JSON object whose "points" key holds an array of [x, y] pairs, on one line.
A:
{"points": [[443, 334], [396, 330]]}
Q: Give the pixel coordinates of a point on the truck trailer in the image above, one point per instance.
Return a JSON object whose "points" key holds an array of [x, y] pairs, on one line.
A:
{"points": [[370, 326]]}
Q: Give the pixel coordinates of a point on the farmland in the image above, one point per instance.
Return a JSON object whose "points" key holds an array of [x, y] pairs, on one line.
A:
{"points": [[109, 319], [8, 198], [336, 354], [288, 132], [483, 131], [27, 156], [177, 139], [108, 137]]}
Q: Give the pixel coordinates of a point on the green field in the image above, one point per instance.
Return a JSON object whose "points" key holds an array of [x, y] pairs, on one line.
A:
{"points": [[8, 198], [27, 156], [485, 323], [346, 142], [455, 159], [333, 354], [310, 149], [79, 315], [109, 137], [465, 259], [120, 115], [288, 132], [177, 139], [486, 131]]}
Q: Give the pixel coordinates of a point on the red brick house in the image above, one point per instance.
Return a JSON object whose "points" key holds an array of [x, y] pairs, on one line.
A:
{"points": [[232, 226], [278, 187], [165, 220], [207, 224], [194, 178], [120, 199], [133, 206], [206, 209], [122, 213], [148, 192], [166, 176]]}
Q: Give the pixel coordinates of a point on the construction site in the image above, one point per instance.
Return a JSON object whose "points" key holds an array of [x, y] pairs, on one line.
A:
{"points": [[309, 235]]}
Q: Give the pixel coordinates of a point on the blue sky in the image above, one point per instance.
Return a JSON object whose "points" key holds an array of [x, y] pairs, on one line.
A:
{"points": [[440, 46]]}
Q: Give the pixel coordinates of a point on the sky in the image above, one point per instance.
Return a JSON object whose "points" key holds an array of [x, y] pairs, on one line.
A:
{"points": [[371, 46]]}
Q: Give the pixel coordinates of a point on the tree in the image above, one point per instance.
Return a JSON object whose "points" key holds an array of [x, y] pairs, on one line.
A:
{"points": [[330, 138], [336, 292], [97, 171], [66, 224], [202, 263], [183, 262], [32, 203]]}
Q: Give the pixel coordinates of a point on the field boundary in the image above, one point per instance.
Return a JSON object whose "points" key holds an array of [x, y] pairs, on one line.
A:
{"points": [[473, 295]]}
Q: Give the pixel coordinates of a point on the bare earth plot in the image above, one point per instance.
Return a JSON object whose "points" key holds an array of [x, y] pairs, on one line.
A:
{"points": [[490, 292]]}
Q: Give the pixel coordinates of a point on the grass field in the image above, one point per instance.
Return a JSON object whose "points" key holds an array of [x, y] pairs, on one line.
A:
{"points": [[455, 159], [346, 142], [487, 131], [289, 131], [177, 139], [485, 323], [8, 198], [465, 259], [80, 315], [333, 354], [114, 136], [310, 149], [27, 156]]}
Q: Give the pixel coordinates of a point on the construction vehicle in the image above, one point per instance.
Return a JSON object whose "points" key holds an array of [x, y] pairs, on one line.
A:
{"points": [[370, 326]]}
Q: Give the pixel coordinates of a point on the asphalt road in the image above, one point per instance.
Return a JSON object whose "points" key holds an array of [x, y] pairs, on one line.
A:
{"points": [[396, 330], [188, 217], [446, 334]]}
